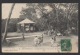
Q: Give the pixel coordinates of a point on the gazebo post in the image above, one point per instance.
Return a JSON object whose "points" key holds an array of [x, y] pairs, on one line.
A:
{"points": [[29, 28]]}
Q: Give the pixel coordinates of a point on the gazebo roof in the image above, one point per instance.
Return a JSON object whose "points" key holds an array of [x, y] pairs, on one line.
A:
{"points": [[26, 21]]}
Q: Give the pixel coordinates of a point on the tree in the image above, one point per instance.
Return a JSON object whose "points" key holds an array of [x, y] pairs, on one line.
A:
{"points": [[7, 22], [58, 18]]}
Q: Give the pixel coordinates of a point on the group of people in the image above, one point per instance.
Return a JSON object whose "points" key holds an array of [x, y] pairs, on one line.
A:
{"points": [[38, 40]]}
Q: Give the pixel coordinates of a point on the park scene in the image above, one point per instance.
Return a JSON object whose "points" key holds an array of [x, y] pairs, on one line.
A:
{"points": [[40, 27]]}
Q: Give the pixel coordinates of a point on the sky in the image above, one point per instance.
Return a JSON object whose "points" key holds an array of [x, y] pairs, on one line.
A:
{"points": [[16, 11]]}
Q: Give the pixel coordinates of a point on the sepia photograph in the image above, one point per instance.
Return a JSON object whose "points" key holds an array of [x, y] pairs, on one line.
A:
{"points": [[39, 28]]}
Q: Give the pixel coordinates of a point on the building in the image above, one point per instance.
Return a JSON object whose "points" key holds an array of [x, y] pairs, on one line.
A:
{"points": [[26, 26]]}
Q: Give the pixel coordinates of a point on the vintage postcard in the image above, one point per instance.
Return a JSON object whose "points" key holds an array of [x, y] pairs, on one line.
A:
{"points": [[39, 28]]}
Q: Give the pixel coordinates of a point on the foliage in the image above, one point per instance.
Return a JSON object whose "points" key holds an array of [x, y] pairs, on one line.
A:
{"points": [[62, 16]]}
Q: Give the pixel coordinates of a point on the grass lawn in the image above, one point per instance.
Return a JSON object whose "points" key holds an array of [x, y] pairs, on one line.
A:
{"points": [[29, 43]]}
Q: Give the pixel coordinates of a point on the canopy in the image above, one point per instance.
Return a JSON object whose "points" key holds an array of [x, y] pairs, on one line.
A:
{"points": [[26, 21]]}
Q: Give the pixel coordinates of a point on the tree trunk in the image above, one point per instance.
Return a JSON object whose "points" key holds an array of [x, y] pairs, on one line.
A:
{"points": [[23, 31], [7, 22]]}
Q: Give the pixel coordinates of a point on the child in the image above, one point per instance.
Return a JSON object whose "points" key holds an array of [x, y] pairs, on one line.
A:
{"points": [[53, 40], [36, 41]]}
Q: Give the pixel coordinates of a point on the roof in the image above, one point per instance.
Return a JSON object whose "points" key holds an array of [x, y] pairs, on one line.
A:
{"points": [[26, 21]]}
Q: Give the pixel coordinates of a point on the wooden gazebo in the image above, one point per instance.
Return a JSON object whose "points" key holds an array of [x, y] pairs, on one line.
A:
{"points": [[26, 26]]}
